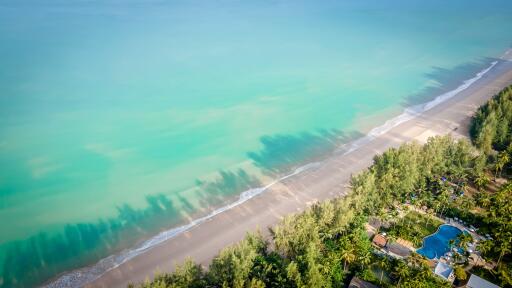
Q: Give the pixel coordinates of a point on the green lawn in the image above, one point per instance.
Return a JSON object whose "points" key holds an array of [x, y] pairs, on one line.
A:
{"points": [[414, 227]]}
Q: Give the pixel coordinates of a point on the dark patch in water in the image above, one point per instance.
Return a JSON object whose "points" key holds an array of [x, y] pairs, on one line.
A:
{"points": [[447, 79], [280, 153], [40, 257], [212, 193], [43, 256]]}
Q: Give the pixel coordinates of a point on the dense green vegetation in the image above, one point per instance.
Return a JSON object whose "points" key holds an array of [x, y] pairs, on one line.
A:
{"points": [[327, 244], [492, 124], [491, 131], [498, 220]]}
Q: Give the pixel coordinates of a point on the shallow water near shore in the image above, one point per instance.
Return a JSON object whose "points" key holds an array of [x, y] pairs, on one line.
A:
{"points": [[121, 121]]}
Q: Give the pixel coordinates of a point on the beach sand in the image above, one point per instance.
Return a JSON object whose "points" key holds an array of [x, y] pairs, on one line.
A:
{"points": [[294, 194]]}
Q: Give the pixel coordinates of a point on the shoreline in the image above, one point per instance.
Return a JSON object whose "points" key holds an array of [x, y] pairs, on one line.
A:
{"points": [[293, 192]]}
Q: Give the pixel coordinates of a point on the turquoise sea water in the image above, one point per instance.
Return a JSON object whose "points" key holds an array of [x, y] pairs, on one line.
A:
{"points": [[119, 119]]}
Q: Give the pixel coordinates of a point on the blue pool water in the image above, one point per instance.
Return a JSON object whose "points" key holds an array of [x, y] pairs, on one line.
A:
{"points": [[437, 244]]}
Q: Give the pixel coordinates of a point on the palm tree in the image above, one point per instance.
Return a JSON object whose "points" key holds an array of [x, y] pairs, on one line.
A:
{"points": [[485, 246], [464, 240], [384, 264], [421, 189], [406, 209], [484, 200], [464, 186], [429, 217], [481, 180], [443, 199], [382, 215], [394, 213], [451, 243], [348, 257], [415, 259], [504, 248], [365, 259], [460, 173], [466, 204], [457, 257], [401, 271], [460, 273], [424, 272], [437, 206], [502, 160]]}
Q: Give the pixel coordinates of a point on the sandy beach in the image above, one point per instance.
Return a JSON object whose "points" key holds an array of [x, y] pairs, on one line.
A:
{"points": [[327, 180]]}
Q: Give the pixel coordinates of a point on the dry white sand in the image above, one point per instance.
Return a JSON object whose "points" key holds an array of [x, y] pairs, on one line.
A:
{"points": [[294, 194]]}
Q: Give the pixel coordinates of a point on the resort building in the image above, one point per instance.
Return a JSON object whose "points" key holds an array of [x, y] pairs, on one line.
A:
{"points": [[398, 249], [477, 282], [393, 249], [358, 283], [444, 271], [379, 240]]}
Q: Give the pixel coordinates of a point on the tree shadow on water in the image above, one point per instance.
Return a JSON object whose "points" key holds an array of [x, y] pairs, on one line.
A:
{"points": [[29, 262], [36, 259], [224, 186], [32, 261], [447, 79], [280, 153]]}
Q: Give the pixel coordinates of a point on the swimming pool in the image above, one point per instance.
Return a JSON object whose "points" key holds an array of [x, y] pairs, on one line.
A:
{"points": [[437, 244]]}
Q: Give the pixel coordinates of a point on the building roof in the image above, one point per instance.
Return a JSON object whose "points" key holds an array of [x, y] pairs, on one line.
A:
{"points": [[443, 270], [477, 282], [432, 263], [375, 222], [379, 240], [358, 283], [399, 249]]}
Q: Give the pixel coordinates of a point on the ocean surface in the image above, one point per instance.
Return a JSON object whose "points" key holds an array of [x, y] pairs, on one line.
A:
{"points": [[122, 120]]}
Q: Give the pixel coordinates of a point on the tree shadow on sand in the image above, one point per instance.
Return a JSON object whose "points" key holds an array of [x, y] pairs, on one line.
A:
{"points": [[447, 79]]}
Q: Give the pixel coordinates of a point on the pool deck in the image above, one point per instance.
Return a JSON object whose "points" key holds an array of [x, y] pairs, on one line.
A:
{"points": [[463, 228], [450, 221], [446, 221]]}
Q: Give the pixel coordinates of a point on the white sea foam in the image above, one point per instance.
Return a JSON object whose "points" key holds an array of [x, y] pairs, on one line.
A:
{"points": [[412, 112], [80, 277]]}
